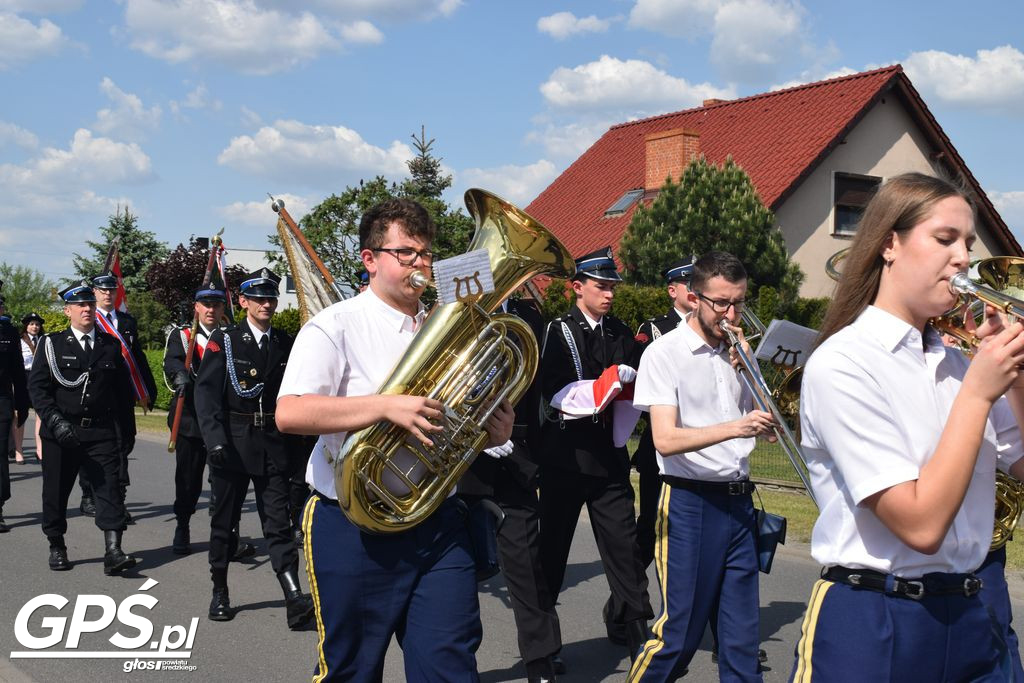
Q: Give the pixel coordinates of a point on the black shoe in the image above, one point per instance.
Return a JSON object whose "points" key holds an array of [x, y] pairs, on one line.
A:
{"points": [[182, 539], [59, 560], [88, 506], [558, 664], [115, 560], [636, 637], [299, 607], [220, 606], [540, 670], [243, 551], [300, 538], [3, 525], [762, 657]]}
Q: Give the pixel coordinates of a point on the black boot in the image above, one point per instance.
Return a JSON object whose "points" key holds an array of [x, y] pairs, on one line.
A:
{"points": [[300, 538], [616, 630], [182, 539], [88, 505], [3, 524], [299, 606], [115, 560], [540, 670], [242, 549], [636, 637], [220, 604], [59, 555]]}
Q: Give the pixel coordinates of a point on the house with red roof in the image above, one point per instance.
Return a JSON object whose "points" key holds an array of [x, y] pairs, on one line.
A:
{"points": [[814, 152]]}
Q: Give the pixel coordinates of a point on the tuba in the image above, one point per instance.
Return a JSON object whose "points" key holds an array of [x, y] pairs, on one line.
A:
{"points": [[464, 357]]}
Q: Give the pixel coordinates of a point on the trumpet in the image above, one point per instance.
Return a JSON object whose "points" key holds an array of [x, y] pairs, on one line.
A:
{"points": [[751, 375]]}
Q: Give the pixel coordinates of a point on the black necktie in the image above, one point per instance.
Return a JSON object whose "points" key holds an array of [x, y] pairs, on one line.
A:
{"points": [[87, 345], [263, 348]]}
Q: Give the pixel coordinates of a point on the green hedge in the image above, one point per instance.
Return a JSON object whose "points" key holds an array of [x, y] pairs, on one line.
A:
{"points": [[156, 365]]}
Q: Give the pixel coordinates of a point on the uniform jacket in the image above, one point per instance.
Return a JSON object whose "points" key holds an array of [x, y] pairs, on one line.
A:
{"points": [[522, 464], [174, 362], [106, 396], [12, 373], [227, 419], [652, 328], [128, 327], [583, 445]]}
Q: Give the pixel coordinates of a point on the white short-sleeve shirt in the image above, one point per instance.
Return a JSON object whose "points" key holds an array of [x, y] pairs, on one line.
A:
{"points": [[680, 369], [347, 349], [873, 405]]}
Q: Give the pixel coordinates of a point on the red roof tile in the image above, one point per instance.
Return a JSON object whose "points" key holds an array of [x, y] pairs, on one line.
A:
{"points": [[777, 138]]}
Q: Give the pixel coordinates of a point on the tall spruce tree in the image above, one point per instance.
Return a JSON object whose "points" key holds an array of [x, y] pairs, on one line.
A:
{"points": [[710, 208], [139, 250]]}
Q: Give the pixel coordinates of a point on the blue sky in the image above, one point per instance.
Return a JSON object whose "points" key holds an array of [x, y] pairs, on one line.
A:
{"points": [[190, 111]]}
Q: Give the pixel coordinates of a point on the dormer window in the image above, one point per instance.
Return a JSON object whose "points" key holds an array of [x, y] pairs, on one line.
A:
{"points": [[625, 201], [851, 194]]}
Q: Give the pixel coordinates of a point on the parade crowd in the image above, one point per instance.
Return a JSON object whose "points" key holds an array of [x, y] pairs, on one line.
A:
{"points": [[902, 436]]}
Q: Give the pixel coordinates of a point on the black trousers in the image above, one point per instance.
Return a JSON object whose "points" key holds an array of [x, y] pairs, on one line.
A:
{"points": [[189, 464], [229, 490], [645, 459], [6, 422], [533, 603], [99, 463], [122, 478], [609, 502]]}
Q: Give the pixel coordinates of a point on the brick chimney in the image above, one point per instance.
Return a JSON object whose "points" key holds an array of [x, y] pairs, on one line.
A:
{"points": [[712, 101], [667, 153]]}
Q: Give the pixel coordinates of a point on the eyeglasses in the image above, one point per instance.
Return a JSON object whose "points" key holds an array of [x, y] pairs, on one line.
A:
{"points": [[722, 305], [407, 256]]}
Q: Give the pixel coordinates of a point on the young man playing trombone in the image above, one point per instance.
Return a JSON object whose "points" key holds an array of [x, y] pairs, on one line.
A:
{"points": [[706, 551]]}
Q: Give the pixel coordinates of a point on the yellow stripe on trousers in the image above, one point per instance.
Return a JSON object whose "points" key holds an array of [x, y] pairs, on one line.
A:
{"points": [[307, 532], [651, 647], [805, 648]]}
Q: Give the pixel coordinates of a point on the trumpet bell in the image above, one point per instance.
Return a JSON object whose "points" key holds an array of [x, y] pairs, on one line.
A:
{"points": [[1004, 274]]}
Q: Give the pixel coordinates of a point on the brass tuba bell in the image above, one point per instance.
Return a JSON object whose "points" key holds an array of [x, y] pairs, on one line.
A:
{"points": [[466, 358]]}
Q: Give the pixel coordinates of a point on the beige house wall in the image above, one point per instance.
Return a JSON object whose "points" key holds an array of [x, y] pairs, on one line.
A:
{"points": [[885, 143]]}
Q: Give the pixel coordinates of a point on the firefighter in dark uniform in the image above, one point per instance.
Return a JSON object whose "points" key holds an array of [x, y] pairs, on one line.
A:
{"points": [[189, 449], [645, 460], [235, 397], [13, 399], [508, 476], [105, 289], [581, 463], [81, 391]]}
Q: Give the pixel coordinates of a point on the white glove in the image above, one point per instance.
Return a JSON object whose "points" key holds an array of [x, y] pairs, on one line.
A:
{"points": [[499, 451], [626, 374]]}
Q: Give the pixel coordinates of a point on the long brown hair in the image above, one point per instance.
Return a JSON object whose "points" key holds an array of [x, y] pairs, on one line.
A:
{"points": [[900, 203]]}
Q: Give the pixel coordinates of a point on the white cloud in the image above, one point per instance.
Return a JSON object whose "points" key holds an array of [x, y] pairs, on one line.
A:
{"points": [[561, 25], [128, 118], [1011, 208], [361, 32], [993, 79], [813, 76], [517, 184], [751, 40], [16, 135], [251, 119], [235, 33], [394, 10], [21, 41], [570, 140], [611, 83], [322, 157], [197, 98], [258, 214]]}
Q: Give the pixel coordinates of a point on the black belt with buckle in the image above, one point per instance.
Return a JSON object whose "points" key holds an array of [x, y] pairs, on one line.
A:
{"points": [[257, 419], [741, 487], [915, 589], [91, 422]]}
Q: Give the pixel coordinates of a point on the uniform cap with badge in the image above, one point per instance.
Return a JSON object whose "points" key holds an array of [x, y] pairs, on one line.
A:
{"points": [[105, 281], [260, 284], [680, 271], [599, 265], [80, 293], [32, 317], [210, 294]]}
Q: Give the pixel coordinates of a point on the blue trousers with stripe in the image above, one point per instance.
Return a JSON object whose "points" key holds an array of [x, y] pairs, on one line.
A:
{"points": [[996, 596], [852, 634], [706, 556], [418, 585]]}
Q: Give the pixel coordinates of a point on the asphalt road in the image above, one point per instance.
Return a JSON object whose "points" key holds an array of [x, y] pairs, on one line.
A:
{"points": [[257, 644]]}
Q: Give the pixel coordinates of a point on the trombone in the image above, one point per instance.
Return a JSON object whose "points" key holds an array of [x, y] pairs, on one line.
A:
{"points": [[751, 375]]}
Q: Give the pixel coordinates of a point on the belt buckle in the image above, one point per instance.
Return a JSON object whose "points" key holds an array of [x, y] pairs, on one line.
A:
{"points": [[918, 593], [736, 488], [972, 584], [86, 422], [257, 419]]}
